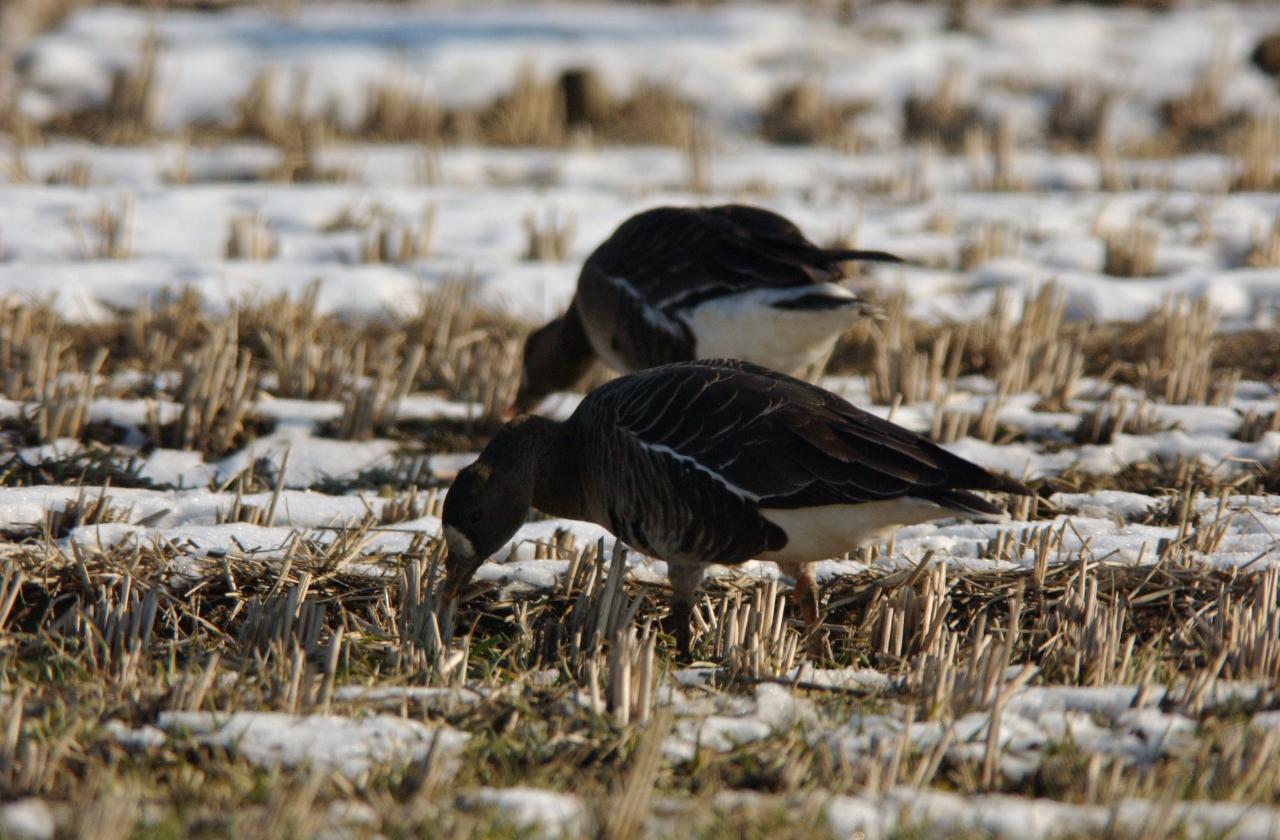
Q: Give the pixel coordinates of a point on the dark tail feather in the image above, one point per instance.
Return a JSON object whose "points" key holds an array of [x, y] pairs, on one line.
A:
{"points": [[844, 254], [969, 476], [1004, 484], [963, 501], [982, 479], [977, 478]]}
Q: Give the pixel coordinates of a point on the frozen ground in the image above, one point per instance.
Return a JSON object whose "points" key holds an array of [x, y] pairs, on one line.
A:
{"points": [[928, 208]]}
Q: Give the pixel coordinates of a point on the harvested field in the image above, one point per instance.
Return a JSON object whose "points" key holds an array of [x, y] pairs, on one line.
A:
{"points": [[253, 320]]}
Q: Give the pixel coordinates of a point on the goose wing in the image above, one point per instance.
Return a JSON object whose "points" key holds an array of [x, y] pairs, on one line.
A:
{"points": [[674, 258], [778, 442]]}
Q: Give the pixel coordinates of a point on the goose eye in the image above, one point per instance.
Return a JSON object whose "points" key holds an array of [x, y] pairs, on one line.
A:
{"points": [[474, 517]]}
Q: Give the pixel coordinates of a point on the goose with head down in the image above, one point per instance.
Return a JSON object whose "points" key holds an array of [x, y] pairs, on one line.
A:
{"points": [[714, 461], [679, 283]]}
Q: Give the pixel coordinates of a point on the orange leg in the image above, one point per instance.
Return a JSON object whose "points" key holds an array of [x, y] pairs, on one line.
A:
{"points": [[806, 601]]}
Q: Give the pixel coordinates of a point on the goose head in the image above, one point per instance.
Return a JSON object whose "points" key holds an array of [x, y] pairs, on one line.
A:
{"points": [[556, 356], [489, 500]]}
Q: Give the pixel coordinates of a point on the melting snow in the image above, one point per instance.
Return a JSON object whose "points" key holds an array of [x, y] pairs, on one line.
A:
{"points": [[351, 746]]}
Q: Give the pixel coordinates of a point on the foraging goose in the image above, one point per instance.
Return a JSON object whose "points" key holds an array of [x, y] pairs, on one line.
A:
{"points": [[715, 461], [678, 283]]}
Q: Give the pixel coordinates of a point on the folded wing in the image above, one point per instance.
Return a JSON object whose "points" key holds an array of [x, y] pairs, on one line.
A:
{"points": [[783, 443], [678, 257]]}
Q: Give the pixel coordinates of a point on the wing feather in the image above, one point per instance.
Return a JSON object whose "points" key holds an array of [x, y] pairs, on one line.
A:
{"points": [[782, 442], [675, 258]]}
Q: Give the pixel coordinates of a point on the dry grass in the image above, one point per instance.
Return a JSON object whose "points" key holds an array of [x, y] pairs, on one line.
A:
{"points": [[113, 634], [550, 238], [986, 243], [299, 135], [281, 347], [943, 116], [1179, 363], [1199, 119], [250, 238], [651, 114], [951, 425], [76, 173], [1255, 158], [287, 348], [129, 641], [1111, 177], [535, 112], [1102, 423], [1132, 252], [890, 614], [993, 163], [1254, 424], [371, 406], [1265, 250], [577, 106], [108, 234], [22, 19], [41, 369], [802, 114], [133, 101], [391, 242], [1175, 354], [216, 389], [129, 113], [1080, 116], [531, 114], [573, 682], [1255, 353], [257, 114], [1037, 351], [396, 113]]}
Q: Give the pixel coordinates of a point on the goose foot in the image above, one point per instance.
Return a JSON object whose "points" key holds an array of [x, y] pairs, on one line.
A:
{"points": [[806, 601]]}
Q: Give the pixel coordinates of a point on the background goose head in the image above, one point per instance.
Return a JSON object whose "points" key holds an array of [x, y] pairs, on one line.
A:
{"points": [[556, 356], [491, 497]]}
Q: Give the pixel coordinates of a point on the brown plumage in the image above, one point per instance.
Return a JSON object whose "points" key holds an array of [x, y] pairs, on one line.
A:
{"points": [[679, 283], [712, 462]]}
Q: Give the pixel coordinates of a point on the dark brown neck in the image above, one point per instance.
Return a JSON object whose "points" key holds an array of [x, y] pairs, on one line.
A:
{"points": [[556, 356], [557, 486], [576, 353]]}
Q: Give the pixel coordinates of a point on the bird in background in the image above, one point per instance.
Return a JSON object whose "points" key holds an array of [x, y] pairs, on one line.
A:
{"points": [[674, 284], [714, 461]]}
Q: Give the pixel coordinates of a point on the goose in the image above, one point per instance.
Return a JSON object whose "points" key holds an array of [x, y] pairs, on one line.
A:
{"points": [[673, 284], [711, 461]]}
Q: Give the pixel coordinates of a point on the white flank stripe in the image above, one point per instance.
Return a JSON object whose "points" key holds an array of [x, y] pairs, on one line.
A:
{"points": [[701, 467], [654, 316]]}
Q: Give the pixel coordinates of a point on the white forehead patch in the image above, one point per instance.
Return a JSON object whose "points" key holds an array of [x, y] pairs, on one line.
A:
{"points": [[458, 543]]}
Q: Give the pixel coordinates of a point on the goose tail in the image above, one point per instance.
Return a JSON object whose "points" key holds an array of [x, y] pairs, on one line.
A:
{"points": [[850, 254]]}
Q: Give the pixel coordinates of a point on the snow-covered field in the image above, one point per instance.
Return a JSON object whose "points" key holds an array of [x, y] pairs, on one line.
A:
{"points": [[215, 534]]}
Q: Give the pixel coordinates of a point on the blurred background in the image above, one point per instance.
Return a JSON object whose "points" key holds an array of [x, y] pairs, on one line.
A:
{"points": [[1149, 75]]}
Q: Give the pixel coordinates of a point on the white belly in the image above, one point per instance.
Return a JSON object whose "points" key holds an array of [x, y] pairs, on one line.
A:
{"points": [[820, 533], [748, 327]]}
